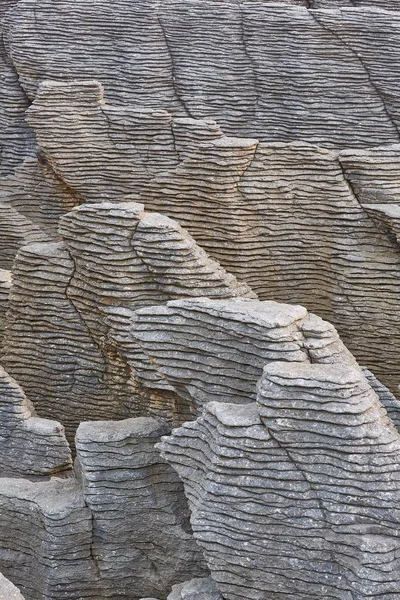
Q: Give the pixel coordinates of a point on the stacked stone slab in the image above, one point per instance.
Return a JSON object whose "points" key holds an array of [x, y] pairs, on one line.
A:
{"points": [[29, 445], [216, 349], [294, 495], [66, 338], [142, 543], [119, 529], [290, 219]]}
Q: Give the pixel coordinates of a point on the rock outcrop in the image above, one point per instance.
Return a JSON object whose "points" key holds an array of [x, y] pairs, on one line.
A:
{"points": [[29, 445], [66, 340], [294, 495]]}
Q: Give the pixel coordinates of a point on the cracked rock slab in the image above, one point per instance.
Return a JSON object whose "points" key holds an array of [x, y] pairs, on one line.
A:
{"points": [[293, 495]]}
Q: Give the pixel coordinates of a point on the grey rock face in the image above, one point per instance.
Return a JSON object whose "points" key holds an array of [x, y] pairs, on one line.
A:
{"points": [[196, 589], [16, 138], [29, 445], [142, 542], [8, 591], [216, 349], [293, 220], [5, 285], [257, 475], [45, 539], [71, 303], [340, 66], [118, 530]]}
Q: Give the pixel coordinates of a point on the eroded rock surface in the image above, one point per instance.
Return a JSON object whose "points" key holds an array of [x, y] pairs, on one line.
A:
{"points": [[8, 591], [340, 66], [67, 337], [293, 495], [29, 445]]}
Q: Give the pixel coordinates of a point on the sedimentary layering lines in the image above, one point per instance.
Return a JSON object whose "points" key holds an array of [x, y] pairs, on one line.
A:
{"points": [[120, 529], [142, 541], [294, 494], [29, 445], [216, 349], [272, 70], [297, 222], [66, 340]]}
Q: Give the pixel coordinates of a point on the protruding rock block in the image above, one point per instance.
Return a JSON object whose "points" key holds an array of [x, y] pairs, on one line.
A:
{"points": [[216, 349], [67, 339], [142, 542], [196, 589], [29, 445], [45, 539], [294, 495]]}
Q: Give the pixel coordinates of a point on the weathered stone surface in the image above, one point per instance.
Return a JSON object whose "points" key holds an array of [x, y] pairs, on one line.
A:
{"points": [[16, 138], [45, 539], [216, 349], [280, 72], [285, 218], [8, 591], [67, 339], [142, 542], [29, 445], [294, 495], [196, 589], [5, 286], [119, 529]]}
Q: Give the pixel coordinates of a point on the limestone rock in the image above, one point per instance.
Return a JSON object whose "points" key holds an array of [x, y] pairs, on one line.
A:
{"points": [[8, 591], [216, 349], [340, 66], [142, 542], [45, 539], [5, 286], [196, 589], [16, 137], [67, 339], [293, 495], [29, 445]]}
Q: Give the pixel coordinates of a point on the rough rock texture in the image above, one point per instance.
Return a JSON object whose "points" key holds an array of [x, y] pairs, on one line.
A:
{"points": [[16, 138], [8, 591], [293, 220], [216, 349], [29, 445], [118, 530], [282, 72], [45, 539], [32, 200], [294, 495], [142, 542], [67, 339], [5, 286], [196, 589]]}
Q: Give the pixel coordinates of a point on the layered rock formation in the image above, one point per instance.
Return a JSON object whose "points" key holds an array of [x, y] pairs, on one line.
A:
{"points": [[294, 495], [66, 340], [172, 176], [295, 221], [118, 529]]}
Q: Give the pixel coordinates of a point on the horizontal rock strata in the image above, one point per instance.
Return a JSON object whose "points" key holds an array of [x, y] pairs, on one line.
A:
{"points": [[283, 72], [216, 349], [29, 445], [119, 529], [293, 495], [142, 542], [67, 339], [284, 217]]}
